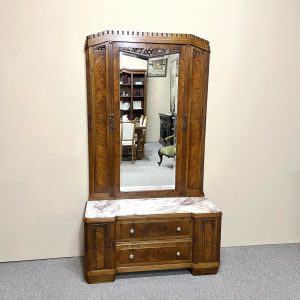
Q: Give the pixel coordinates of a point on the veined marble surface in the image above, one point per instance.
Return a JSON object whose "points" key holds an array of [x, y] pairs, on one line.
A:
{"points": [[148, 206]]}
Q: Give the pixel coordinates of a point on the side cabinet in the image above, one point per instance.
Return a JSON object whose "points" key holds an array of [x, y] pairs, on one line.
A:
{"points": [[206, 250], [100, 252]]}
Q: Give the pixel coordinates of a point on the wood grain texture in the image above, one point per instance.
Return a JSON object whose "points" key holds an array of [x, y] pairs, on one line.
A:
{"points": [[154, 267], [207, 235], [100, 276], [100, 121], [149, 229], [99, 235], [174, 252], [99, 246], [196, 126]]}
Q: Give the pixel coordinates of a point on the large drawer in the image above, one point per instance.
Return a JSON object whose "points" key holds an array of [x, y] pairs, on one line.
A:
{"points": [[158, 228], [156, 253]]}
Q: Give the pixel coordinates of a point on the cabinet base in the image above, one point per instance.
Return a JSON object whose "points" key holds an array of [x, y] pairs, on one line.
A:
{"points": [[109, 275], [205, 268], [208, 271], [100, 276]]}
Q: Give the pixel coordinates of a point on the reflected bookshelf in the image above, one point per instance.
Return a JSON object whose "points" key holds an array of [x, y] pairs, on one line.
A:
{"points": [[133, 93]]}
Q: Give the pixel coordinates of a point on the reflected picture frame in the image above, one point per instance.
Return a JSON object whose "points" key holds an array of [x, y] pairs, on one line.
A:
{"points": [[157, 67]]}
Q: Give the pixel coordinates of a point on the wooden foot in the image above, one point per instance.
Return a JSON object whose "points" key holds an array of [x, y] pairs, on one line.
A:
{"points": [[205, 268], [100, 276], [208, 271]]}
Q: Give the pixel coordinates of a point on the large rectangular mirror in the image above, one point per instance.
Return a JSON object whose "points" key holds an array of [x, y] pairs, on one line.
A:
{"points": [[148, 110]]}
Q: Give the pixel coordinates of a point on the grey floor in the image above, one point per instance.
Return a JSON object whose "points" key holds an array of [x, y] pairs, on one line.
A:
{"points": [[252, 272], [148, 172]]}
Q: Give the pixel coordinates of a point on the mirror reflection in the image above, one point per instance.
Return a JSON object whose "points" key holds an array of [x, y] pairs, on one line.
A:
{"points": [[148, 109]]}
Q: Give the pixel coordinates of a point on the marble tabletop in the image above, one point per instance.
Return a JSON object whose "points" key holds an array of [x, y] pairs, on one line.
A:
{"points": [[148, 206]]}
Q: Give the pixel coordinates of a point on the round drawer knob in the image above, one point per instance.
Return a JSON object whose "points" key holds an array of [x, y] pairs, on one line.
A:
{"points": [[131, 256], [178, 253], [131, 230], [178, 229]]}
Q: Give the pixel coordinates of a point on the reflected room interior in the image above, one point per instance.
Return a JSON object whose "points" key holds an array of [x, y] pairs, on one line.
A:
{"points": [[148, 108]]}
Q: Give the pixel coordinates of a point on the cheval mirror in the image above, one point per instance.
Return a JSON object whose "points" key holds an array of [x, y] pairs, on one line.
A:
{"points": [[147, 96]]}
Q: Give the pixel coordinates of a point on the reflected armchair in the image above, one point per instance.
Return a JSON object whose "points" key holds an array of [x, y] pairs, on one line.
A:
{"points": [[168, 150]]}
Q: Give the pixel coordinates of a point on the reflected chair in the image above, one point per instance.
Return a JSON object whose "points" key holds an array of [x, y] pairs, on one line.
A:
{"points": [[127, 140], [168, 149], [141, 120], [144, 124]]}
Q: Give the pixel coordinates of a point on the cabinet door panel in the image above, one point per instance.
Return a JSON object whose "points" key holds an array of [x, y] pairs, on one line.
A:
{"points": [[207, 240], [98, 120], [197, 116], [104, 245]]}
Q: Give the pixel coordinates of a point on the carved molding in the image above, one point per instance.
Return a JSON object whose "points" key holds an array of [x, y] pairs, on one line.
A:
{"points": [[149, 52], [147, 34], [111, 122], [147, 37], [100, 47], [198, 52]]}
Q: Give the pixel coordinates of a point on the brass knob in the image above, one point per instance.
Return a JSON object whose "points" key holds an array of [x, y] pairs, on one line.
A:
{"points": [[131, 230], [131, 256], [178, 228], [178, 253]]}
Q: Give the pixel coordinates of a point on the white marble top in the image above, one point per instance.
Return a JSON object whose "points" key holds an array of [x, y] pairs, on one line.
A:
{"points": [[148, 206]]}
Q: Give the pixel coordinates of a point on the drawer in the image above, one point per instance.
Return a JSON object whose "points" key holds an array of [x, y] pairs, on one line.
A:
{"points": [[158, 228], [158, 253]]}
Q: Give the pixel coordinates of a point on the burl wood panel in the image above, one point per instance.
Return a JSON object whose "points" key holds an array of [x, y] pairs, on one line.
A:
{"points": [[207, 234], [99, 246], [197, 117], [100, 120], [154, 253], [154, 229]]}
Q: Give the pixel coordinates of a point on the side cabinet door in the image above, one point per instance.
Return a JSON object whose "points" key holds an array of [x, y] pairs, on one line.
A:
{"points": [[199, 64], [99, 246], [98, 110], [207, 234]]}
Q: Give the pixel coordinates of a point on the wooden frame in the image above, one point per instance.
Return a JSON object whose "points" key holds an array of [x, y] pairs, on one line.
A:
{"points": [[102, 52]]}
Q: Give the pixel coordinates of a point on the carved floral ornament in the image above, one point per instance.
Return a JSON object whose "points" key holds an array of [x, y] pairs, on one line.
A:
{"points": [[100, 47], [149, 52]]}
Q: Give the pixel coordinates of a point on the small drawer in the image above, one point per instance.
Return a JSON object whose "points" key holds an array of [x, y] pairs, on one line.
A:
{"points": [[159, 253], [147, 229]]}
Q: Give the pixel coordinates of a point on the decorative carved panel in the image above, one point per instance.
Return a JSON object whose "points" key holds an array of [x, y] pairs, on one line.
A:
{"points": [[149, 52]]}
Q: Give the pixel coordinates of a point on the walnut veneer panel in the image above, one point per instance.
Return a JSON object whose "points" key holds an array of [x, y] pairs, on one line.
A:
{"points": [[141, 254], [98, 119], [99, 246], [197, 116], [147, 229], [207, 244]]}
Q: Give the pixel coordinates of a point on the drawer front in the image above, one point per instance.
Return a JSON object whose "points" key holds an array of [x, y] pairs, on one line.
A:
{"points": [[147, 229], [160, 253]]}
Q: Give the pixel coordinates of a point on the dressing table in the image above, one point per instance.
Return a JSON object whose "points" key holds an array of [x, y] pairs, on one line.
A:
{"points": [[130, 224]]}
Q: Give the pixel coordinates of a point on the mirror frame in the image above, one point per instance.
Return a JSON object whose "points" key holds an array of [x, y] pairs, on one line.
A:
{"points": [[104, 176]]}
